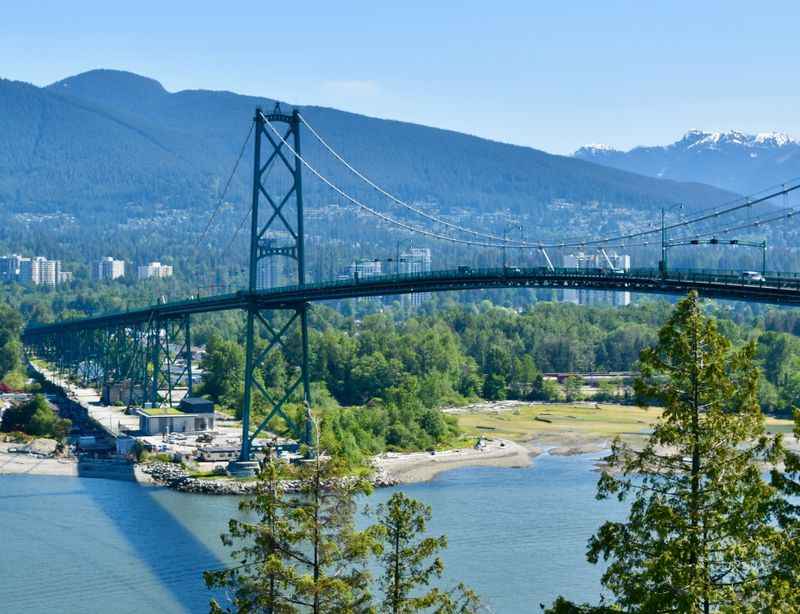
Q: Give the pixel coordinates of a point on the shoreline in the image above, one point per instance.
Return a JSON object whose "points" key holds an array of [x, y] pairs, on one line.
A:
{"points": [[415, 467], [392, 468]]}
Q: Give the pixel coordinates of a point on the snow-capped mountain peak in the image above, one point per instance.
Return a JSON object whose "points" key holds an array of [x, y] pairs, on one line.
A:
{"points": [[714, 140], [777, 139], [594, 149], [734, 160]]}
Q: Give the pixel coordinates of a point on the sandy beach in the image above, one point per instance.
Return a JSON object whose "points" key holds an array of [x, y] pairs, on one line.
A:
{"points": [[423, 466], [11, 464]]}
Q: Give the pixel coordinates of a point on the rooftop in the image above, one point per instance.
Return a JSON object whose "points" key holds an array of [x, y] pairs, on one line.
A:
{"points": [[162, 411]]}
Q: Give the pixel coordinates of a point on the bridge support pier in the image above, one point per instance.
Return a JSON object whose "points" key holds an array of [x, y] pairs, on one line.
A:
{"points": [[280, 327]]}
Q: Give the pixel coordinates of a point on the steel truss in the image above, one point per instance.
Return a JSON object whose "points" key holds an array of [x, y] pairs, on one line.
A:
{"points": [[263, 247], [153, 357]]}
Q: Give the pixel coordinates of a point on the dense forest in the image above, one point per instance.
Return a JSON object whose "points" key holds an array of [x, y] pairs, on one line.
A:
{"points": [[134, 172], [380, 379], [382, 371]]}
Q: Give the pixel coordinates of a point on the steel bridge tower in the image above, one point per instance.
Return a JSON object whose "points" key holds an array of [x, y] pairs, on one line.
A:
{"points": [[270, 150]]}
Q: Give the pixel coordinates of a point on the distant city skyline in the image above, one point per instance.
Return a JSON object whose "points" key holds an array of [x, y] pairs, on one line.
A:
{"points": [[552, 77]]}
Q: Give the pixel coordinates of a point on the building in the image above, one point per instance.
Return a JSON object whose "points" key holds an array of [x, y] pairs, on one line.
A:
{"points": [[9, 267], [154, 269], [218, 453], [415, 260], [267, 268], [38, 271], [604, 261], [363, 269], [170, 420], [108, 268]]}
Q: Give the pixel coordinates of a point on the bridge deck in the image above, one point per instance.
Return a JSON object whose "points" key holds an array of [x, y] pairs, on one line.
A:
{"points": [[774, 288]]}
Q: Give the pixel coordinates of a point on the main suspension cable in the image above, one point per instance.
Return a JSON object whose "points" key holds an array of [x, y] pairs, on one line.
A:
{"points": [[392, 197], [716, 211], [227, 184]]}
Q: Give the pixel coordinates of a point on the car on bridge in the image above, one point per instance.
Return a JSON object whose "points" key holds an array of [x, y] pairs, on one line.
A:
{"points": [[753, 276]]}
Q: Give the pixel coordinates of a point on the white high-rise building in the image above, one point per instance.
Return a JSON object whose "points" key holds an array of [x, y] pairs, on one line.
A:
{"points": [[38, 271], [109, 268], [363, 268], [154, 269], [607, 261], [415, 260]]}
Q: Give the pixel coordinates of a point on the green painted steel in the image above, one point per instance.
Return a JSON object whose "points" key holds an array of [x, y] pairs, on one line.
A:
{"points": [[149, 349]]}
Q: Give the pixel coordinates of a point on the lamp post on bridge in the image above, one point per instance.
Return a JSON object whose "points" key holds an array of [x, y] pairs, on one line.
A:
{"points": [[509, 226], [663, 264]]}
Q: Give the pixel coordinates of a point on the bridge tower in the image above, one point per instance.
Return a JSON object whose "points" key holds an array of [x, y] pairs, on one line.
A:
{"points": [[278, 233]]}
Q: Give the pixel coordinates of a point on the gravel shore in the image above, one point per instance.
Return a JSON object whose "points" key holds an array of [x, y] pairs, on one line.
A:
{"points": [[423, 466]]}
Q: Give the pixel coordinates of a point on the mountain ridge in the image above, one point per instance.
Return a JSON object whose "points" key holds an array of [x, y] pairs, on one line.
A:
{"points": [[200, 131], [734, 160]]}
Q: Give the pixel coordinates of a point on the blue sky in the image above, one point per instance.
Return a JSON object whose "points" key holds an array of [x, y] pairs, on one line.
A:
{"points": [[552, 75]]}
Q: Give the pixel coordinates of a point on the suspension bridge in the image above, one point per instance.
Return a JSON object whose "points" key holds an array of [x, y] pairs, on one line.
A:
{"points": [[151, 347]]}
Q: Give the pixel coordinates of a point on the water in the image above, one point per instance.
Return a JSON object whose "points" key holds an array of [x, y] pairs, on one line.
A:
{"points": [[518, 536]]}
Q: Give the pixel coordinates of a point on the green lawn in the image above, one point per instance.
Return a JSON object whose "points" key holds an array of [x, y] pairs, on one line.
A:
{"points": [[582, 421], [163, 411]]}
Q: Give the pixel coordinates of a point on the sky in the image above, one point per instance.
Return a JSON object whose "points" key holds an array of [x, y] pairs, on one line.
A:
{"points": [[550, 75]]}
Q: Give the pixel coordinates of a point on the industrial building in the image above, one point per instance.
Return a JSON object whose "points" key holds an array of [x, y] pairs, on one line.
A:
{"points": [[193, 415]]}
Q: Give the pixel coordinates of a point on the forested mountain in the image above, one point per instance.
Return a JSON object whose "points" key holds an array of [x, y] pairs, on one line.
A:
{"points": [[743, 163], [105, 137]]}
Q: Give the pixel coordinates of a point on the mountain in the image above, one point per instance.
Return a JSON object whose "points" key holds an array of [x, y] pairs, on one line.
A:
{"points": [[743, 163], [107, 137], [111, 163]]}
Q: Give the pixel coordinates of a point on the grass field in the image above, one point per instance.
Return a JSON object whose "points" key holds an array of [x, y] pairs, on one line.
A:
{"points": [[566, 423]]}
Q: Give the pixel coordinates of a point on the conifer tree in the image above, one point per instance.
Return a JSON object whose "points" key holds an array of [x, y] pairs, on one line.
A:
{"points": [[303, 553], [258, 581], [784, 594], [329, 573], [700, 535], [409, 565], [406, 557]]}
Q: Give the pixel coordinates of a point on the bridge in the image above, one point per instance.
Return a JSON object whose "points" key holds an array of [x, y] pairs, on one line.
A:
{"points": [[150, 347]]}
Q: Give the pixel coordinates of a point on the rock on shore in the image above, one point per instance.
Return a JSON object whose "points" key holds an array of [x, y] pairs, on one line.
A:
{"points": [[176, 477]]}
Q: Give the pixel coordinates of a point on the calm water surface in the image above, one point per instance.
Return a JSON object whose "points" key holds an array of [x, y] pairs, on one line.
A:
{"points": [[518, 536]]}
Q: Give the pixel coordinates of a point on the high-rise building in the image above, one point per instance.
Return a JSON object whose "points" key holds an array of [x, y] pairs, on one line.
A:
{"points": [[606, 261], [9, 267], [154, 269], [267, 268], [415, 260], [38, 271], [363, 268], [109, 268]]}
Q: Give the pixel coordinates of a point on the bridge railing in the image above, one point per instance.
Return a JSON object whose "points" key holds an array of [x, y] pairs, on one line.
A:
{"points": [[781, 279]]}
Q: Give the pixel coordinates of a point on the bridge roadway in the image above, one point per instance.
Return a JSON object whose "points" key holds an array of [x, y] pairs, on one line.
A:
{"points": [[774, 288]]}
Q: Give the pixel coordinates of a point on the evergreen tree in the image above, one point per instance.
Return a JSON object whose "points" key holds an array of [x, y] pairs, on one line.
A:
{"points": [[700, 535], [259, 580], [303, 554], [406, 556], [329, 574], [784, 595]]}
